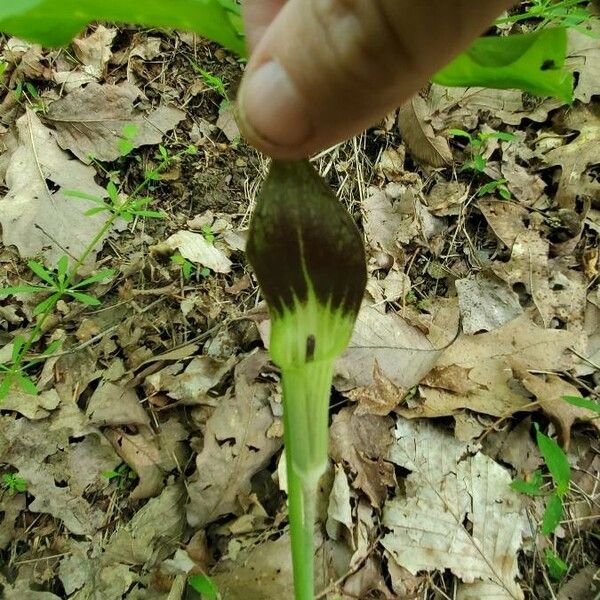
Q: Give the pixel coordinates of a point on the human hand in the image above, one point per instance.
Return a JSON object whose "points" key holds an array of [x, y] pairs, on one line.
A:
{"points": [[321, 71]]}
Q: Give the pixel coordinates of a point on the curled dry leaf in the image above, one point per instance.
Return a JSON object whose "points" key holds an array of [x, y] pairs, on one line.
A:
{"points": [[418, 134], [35, 214], [447, 487]]}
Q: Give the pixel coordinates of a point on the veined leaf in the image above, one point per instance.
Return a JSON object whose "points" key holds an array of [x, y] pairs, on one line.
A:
{"points": [[533, 62], [55, 23], [556, 461], [204, 585], [552, 514], [41, 272]]}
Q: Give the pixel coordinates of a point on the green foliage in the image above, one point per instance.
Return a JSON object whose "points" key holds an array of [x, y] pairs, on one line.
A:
{"points": [[496, 185], [531, 487], [13, 483], [566, 13], [121, 475], [583, 403], [55, 23], [557, 567], [533, 62], [204, 585], [214, 82], [556, 461]]}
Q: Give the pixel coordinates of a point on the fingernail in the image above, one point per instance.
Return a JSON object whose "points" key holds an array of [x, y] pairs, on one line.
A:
{"points": [[271, 107]]}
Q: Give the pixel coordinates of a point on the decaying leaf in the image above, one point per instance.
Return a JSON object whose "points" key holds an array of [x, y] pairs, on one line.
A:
{"points": [[197, 249], [89, 121], [402, 353], [486, 303], [507, 219], [419, 136], [35, 214], [94, 51], [32, 407], [360, 441], [584, 57], [236, 447], [459, 513]]}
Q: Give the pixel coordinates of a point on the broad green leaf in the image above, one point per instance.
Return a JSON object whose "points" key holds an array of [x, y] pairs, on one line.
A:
{"points": [[532, 62], [204, 585], [41, 272], [556, 461], [531, 487], [21, 289], [583, 403], [83, 196], [557, 567], [55, 23], [552, 514]]}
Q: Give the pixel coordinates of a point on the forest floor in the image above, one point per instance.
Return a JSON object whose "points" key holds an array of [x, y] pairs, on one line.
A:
{"points": [[152, 449]]}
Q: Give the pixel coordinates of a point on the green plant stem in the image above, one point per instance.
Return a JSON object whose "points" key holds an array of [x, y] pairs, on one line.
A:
{"points": [[306, 392]]}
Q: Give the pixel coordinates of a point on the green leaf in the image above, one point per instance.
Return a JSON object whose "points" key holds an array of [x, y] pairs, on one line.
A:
{"points": [[204, 585], [532, 62], [63, 266], [460, 133], [41, 272], [557, 567], [26, 384], [556, 461], [84, 298], [47, 304], [154, 214], [21, 289], [113, 192], [53, 23], [531, 487], [5, 385], [583, 403], [552, 514], [99, 209], [83, 196], [100, 276], [130, 130], [18, 344]]}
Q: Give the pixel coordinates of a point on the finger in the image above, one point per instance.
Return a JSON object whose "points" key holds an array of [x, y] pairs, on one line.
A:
{"points": [[327, 69], [258, 15]]}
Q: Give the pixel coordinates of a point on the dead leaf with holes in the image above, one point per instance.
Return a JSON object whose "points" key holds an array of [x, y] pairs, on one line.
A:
{"points": [[236, 447], [361, 441], [448, 485], [89, 121], [418, 134], [36, 215], [575, 157], [584, 57]]}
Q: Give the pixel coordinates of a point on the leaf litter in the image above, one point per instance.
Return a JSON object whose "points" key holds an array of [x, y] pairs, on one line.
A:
{"points": [[154, 447]]}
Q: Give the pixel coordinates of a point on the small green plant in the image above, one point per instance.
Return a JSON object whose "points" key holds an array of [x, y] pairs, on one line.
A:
{"points": [[583, 403], [476, 145], [496, 185], [566, 13], [62, 281], [558, 466], [13, 483], [188, 268], [122, 475], [214, 82], [205, 586]]}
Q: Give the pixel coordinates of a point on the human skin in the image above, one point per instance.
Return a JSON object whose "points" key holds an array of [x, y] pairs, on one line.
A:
{"points": [[321, 71]]}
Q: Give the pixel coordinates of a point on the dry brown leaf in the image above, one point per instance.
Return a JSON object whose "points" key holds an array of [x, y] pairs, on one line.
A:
{"points": [[549, 392], [584, 585], [236, 447], [446, 198], [527, 187], [402, 352], [486, 361], [361, 442], [228, 124], [115, 404], [35, 214], [32, 407], [575, 157], [11, 507], [486, 303], [89, 121], [419, 136], [584, 57], [447, 486], [339, 508], [507, 219], [196, 249], [94, 51], [558, 291], [379, 399]]}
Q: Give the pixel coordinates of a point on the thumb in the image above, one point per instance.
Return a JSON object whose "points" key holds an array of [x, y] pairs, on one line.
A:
{"points": [[327, 69]]}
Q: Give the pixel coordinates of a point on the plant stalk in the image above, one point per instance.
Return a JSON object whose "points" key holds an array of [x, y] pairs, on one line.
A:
{"points": [[306, 392]]}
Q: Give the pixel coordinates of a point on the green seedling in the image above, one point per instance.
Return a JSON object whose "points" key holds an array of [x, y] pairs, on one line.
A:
{"points": [[122, 475], [558, 466], [188, 268], [214, 82], [497, 185], [309, 259], [13, 483], [205, 586], [476, 145], [126, 142]]}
